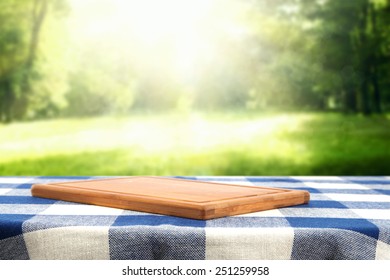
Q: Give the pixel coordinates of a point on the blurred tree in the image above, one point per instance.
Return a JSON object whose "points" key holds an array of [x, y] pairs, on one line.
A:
{"points": [[351, 39], [11, 60], [285, 54], [21, 24], [282, 71], [380, 57]]}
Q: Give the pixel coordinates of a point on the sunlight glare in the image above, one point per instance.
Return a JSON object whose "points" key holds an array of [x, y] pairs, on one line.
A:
{"points": [[154, 19], [179, 25], [180, 38]]}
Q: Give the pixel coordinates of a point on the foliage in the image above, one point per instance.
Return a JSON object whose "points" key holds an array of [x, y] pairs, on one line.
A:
{"points": [[86, 58], [352, 37], [26, 79]]}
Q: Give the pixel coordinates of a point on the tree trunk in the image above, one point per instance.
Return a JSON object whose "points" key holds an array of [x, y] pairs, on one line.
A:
{"points": [[350, 104], [365, 61], [39, 10], [6, 101], [366, 110], [377, 92], [374, 62], [38, 16]]}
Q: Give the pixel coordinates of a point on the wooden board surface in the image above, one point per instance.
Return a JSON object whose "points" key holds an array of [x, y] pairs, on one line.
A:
{"points": [[168, 196]]}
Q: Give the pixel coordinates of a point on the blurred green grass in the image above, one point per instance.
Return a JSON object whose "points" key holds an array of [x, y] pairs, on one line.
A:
{"points": [[199, 144]]}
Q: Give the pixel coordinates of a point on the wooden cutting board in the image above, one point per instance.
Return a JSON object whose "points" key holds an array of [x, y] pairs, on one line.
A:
{"points": [[176, 197]]}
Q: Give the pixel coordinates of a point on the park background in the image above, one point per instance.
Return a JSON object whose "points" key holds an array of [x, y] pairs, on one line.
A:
{"points": [[194, 87]]}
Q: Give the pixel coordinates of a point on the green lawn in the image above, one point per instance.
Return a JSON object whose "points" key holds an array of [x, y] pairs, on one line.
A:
{"points": [[199, 144]]}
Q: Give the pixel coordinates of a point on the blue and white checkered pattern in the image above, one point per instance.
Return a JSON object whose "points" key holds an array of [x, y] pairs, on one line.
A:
{"points": [[347, 218]]}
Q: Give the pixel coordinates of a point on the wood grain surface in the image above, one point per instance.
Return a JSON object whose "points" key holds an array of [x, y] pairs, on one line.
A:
{"points": [[171, 196]]}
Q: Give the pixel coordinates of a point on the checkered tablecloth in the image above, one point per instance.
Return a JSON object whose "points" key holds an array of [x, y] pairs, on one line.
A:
{"points": [[347, 218]]}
